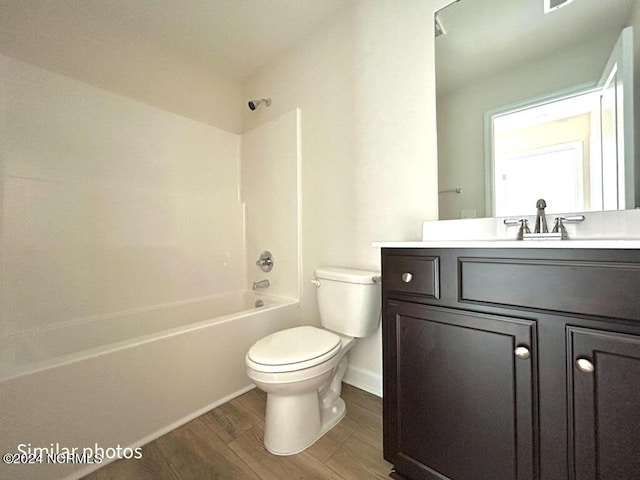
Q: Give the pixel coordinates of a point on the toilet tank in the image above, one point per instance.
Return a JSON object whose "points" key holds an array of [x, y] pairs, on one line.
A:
{"points": [[349, 300]]}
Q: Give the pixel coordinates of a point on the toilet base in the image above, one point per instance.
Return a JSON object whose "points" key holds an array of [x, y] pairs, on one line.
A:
{"points": [[302, 405], [293, 424]]}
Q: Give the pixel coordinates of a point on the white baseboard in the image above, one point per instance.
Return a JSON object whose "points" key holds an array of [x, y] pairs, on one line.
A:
{"points": [[364, 380]]}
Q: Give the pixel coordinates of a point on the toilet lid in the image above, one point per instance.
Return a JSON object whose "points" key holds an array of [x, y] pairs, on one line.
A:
{"points": [[295, 346]]}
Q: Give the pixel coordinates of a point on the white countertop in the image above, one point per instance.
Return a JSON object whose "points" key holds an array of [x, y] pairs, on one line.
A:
{"points": [[619, 229], [623, 244]]}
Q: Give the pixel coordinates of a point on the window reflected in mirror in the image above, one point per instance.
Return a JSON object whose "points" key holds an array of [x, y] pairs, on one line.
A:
{"points": [[496, 56], [549, 151]]}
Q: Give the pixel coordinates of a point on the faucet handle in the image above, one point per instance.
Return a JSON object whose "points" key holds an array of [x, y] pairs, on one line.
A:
{"points": [[513, 221], [524, 226], [559, 225], [559, 228], [572, 218], [265, 262]]}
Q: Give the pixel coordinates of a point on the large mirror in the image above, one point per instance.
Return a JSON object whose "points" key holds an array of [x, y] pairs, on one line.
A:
{"points": [[535, 99]]}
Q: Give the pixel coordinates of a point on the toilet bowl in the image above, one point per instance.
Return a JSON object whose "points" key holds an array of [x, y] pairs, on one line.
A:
{"points": [[301, 369], [303, 400]]}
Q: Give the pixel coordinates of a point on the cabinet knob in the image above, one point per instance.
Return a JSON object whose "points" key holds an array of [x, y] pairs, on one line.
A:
{"points": [[407, 277], [522, 352], [585, 365]]}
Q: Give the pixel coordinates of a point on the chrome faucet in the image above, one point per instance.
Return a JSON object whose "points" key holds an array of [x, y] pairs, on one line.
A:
{"points": [[541, 219], [541, 231], [261, 284]]}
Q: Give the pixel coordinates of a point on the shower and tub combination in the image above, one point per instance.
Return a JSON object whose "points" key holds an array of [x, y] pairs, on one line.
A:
{"points": [[125, 380], [116, 332]]}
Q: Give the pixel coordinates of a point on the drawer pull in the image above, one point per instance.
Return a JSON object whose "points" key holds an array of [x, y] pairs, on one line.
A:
{"points": [[407, 277], [522, 352], [584, 365]]}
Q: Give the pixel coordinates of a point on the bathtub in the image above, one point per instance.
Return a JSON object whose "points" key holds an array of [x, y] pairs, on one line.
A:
{"points": [[123, 380]]}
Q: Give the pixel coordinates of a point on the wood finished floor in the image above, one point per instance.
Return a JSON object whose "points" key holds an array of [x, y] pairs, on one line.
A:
{"points": [[226, 443]]}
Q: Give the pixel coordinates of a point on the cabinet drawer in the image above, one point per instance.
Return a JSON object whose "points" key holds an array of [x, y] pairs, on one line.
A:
{"points": [[591, 288], [413, 274]]}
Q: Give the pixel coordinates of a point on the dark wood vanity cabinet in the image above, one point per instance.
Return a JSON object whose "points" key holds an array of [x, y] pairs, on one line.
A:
{"points": [[511, 364]]}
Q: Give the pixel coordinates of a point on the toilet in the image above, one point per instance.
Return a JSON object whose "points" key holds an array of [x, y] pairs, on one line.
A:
{"points": [[301, 368]]}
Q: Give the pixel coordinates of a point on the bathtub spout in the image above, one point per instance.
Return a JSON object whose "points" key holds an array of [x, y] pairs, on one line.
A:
{"points": [[261, 284]]}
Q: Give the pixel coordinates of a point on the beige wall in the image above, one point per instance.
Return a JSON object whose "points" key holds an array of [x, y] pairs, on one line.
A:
{"points": [[72, 40], [365, 85]]}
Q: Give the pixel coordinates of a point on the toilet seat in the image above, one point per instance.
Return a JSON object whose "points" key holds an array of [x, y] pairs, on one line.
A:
{"points": [[293, 349]]}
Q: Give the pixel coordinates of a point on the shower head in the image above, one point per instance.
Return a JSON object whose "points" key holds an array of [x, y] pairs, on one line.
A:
{"points": [[253, 104]]}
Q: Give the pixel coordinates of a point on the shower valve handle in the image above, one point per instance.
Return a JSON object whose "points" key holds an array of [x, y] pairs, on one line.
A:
{"points": [[265, 262]]}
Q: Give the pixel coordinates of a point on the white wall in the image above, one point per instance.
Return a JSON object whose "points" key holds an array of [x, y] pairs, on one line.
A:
{"points": [[108, 203], [270, 166], [365, 84]]}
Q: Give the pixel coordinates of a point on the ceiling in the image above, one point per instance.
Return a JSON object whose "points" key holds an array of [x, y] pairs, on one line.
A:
{"points": [[484, 37], [233, 36]]}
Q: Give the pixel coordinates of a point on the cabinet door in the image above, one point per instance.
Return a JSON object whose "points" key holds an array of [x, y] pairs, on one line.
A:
{"points": [[459, 403], [604, 401]]}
